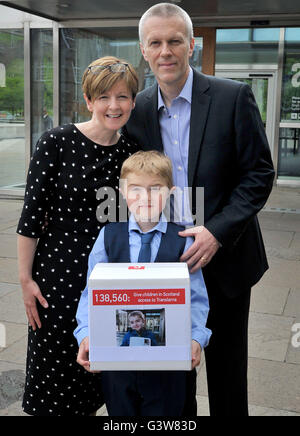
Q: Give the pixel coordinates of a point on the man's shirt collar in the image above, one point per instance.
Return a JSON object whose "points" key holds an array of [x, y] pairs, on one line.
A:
{"points": [[186, 92]]}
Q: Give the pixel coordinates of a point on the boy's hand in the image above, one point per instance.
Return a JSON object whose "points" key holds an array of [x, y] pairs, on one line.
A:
{"points": [[83, 355], [196, 354]]}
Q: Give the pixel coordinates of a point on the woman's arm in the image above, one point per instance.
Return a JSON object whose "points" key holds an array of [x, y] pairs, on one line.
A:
{"points": [[30, 289]]}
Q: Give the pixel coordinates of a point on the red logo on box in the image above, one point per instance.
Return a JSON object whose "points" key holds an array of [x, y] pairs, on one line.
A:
{"points": [[129, 297], [136, 267]]}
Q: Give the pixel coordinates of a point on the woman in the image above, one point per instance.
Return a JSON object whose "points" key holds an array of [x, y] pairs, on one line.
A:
{"points": [[70, 164]]}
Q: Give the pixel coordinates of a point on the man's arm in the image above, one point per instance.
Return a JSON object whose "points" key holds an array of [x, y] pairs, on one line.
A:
{"points": [[254, 169], [255, 174]]}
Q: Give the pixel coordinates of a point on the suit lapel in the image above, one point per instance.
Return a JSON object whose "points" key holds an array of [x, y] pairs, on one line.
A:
{"points": [[152, 121], [199, 113]]}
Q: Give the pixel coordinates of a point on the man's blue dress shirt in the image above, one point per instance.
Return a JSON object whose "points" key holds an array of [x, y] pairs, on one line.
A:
{"points": [[174, 125], [199, 297]]}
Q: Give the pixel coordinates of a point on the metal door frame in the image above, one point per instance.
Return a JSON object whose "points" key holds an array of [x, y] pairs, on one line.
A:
{"points": [[269, 72]]}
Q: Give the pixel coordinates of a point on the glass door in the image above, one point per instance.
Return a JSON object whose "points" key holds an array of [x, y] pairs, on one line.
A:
{"points": [[289, 132], [263, 87], [289, 152], [12, 125]]}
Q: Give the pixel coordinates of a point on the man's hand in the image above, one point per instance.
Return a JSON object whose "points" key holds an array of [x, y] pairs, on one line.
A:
{"points": [[203, 249], [196, 354]]}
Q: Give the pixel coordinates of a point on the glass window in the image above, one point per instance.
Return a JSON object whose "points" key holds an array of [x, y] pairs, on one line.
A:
{"points": [[42, 82], [196, 59], [12, 129], [266, 34], [290, 102], [247, 46], [232, 35], [292, 34], [289, 153], [259, 86], [79, 47]]}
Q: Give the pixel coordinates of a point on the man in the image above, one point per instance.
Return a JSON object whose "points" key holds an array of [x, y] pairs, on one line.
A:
{"points": [[212, 131], [47, 122]]}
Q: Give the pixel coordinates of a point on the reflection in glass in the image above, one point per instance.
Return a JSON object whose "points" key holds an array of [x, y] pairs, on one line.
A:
{"points": [[79, 47], [12, 129], [196, 59], [42, 82], [289, 153], [259, 87], [247, 46], [292, 34], [290, 102]]}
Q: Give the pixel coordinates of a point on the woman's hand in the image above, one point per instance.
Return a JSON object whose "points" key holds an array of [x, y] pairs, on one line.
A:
{"points": [[32, 293]]}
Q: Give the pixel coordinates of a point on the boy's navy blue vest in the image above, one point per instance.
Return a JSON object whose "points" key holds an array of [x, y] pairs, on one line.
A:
{"points": [[116, 242]]}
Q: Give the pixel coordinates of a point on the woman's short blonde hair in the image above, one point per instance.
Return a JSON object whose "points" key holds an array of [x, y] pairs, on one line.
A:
{"points": [[151, 163], [95, 84]]}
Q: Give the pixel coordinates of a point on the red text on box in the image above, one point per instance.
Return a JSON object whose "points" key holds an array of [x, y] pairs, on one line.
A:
{"points": [[129, 297]]}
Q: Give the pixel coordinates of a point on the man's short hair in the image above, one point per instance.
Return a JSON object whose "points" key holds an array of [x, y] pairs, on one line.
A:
{"points": [[166, 10], [150, 163]]}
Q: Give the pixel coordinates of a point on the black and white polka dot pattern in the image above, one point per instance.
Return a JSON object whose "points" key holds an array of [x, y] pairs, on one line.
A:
{"points": [[66, 171]]}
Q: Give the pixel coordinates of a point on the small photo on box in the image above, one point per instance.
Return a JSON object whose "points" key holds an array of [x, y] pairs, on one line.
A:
{"points": [[140, 328]]}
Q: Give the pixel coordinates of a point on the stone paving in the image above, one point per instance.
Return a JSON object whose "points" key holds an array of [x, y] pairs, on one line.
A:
{"points": [[274, 360]]}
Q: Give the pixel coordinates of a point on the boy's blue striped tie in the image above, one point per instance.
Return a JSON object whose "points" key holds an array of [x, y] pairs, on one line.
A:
{"points": [[145, 251]]}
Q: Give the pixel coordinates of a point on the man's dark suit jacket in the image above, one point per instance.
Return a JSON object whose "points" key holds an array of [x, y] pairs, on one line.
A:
{"points": [[230, 157]]}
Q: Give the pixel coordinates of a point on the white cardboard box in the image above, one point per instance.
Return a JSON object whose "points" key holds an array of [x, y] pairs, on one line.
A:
{"points": [[161, 291]]}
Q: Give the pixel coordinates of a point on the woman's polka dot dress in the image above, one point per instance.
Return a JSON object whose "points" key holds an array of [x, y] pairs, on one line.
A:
{"points": [[65, 173]]}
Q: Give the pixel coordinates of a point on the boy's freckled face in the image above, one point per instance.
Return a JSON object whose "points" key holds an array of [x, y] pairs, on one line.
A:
{"points": [[146, 196], [136, 323]]}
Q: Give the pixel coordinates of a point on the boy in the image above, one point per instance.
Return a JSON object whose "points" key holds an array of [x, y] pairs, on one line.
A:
{"points": [[146, 183], [137, 325]]}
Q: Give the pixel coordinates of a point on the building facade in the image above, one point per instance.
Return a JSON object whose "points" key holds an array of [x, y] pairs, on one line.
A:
{"points": [[42, 61]]}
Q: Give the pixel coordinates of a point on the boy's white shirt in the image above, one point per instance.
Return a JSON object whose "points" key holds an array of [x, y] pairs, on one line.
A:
{"points": [[199, 297]]}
